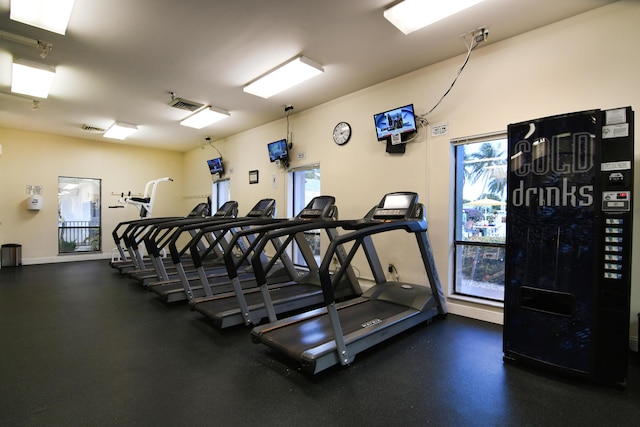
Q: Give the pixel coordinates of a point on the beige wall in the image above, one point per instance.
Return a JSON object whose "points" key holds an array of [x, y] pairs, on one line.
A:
{"points": [[38, 159], [585, 62]]}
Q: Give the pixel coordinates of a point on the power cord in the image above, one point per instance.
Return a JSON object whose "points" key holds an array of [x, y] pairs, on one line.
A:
{"points": [[477, 36], [208, 140]]}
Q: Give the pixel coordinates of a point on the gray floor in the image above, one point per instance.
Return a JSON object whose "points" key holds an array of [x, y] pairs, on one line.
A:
{"points": [[82, 345]]}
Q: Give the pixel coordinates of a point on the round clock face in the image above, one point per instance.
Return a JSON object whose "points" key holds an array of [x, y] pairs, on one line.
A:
{"points": [[342, 133]]}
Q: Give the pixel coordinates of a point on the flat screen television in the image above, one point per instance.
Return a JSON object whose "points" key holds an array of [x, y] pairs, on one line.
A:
{"points": [[215, 166], [395, 125], [278, 150]]}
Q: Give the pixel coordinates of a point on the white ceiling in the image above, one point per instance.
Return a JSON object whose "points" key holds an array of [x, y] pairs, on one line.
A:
{"points": [[120, 58]]}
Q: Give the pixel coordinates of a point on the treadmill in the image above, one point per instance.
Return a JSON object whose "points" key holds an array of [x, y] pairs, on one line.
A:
{"points": [[337, 332], [129, 260], [183, 284], [246, 304], [156, 237]]}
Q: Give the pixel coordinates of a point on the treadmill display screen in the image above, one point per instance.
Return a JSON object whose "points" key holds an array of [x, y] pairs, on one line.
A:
{"points": [[320, 203], [317, 207], [262, 205], [397, 201], [263, 208], [394, 206]]}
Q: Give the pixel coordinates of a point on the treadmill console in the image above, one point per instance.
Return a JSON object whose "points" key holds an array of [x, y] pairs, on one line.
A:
{"points": [[201, 209], [264, 208], [319, 207], [227, 210], [396, 206]]}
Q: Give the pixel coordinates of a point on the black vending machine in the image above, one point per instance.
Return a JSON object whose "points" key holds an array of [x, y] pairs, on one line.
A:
{"points": [[568, 244]]}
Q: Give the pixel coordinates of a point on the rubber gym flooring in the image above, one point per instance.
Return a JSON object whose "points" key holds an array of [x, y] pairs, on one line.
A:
{"points": [[83, 345]]}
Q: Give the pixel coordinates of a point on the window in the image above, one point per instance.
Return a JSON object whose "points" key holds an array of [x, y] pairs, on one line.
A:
{"points": [[480, 217], [305, 185], [220, 193], [79, 223]]}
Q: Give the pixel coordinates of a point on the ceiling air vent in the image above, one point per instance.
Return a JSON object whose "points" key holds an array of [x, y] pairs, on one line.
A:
{"points": [[92, 128], [183, 104]]}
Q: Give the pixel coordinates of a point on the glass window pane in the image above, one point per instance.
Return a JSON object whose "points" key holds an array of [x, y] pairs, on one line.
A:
{"points": [[79, 221], [224, 192], [480, 271], [306, 186], [481, 184], [481, 215]]}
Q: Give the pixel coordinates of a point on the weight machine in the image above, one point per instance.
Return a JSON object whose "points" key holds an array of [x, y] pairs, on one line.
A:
{"points": [[145, 203]]}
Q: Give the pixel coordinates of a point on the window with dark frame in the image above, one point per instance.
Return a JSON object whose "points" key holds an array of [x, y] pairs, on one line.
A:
{"points": [[480, 216], [79, 215]]}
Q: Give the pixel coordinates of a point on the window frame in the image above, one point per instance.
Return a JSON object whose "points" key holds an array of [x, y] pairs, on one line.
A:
{"points": [[458, 239], [294, 206], [217, 187], [69, 228]]}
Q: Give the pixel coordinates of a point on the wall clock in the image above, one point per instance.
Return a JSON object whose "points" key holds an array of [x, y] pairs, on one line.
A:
{"points": [[342, 133]]}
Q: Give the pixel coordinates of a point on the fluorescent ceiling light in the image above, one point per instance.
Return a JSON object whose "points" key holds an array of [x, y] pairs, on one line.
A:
{"points": [[31, 78], [411, 15], [285, 76], [120, 130], [50, 15], [204, 117]]}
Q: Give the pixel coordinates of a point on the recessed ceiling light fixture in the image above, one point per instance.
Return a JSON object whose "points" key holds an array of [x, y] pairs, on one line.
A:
{"points": [[411, 15], [120, 130], [50, 15], [284, 76], [31, 78], [204, 117]]}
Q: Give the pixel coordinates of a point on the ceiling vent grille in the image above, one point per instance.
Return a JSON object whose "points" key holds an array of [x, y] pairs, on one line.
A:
{"points": [[92, 128], [183, 104]]}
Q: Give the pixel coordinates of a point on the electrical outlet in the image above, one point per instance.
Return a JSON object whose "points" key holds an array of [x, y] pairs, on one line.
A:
{"points": [[302, 155], [390, 268]]}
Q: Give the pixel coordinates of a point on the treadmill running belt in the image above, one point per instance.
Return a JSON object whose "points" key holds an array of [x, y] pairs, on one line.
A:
{"points": [[216, 309], [294, 340]]}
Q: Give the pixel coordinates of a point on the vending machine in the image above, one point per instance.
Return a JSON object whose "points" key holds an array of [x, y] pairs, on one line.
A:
{"points": [[568, 243]]}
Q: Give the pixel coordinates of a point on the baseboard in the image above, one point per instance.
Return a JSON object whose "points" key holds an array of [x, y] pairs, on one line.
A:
{"points": [[65, 258], [475, 312]]}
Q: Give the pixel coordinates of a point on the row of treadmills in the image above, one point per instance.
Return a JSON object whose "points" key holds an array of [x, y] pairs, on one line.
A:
{"points": [[238, 270]]}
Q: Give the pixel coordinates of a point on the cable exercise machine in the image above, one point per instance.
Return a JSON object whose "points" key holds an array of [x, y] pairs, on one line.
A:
{"points": [[145, 203]]}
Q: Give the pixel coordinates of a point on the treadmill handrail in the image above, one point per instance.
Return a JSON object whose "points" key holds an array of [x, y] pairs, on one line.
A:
{"points": [[222, 228], [161, 236], [290, 230], [411, 226], [260, 231], [176, 254], [268, 213], [231, 264], [154, 241]]}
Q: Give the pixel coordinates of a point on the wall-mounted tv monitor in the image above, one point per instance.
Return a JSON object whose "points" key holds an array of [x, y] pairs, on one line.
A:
{"points": [[278, 150], [399, 121], [215, 166]]}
